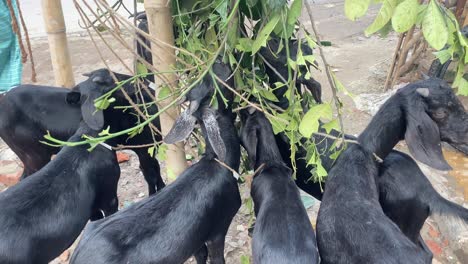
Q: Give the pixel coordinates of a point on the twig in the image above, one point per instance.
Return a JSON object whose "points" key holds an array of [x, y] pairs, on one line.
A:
{"points": [[393, 63], [352, 141], [120, 147], [246, 100], [272, 68], [327, 67]]}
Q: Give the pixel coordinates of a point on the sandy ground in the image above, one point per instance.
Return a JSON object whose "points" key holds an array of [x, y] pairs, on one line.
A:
{"points": [[360, 63]]}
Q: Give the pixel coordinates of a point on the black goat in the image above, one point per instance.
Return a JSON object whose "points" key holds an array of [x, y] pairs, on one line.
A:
{"points": [[29, 111], [278, 59], [195, 209], [42, 215], [392, 174], [408, 198], [351, 226], [351, 220], [283, 232]]}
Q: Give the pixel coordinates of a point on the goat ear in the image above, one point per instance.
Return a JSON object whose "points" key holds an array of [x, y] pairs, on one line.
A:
{"points": [[425, 76], [423, 139], [182, 128], [213, 133], [93, 117]]}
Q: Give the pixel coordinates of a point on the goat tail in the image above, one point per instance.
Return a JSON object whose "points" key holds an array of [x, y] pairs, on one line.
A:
{"points": [[457, 215]]}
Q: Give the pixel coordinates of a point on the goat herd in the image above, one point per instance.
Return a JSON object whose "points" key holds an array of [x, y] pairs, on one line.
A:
{"points": [[371, 211]]}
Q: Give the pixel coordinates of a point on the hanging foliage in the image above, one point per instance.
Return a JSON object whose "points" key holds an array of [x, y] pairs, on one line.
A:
{"points": [[243, 33], [438, 24]]}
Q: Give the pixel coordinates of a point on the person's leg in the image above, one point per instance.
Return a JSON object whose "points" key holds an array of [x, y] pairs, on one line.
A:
{"points": [[10, 54]]}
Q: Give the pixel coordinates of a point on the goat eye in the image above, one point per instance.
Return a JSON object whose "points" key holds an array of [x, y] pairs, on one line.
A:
{"points": [[440, 113]]}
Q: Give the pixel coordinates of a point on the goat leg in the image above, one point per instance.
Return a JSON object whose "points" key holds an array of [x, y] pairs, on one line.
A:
{"points": [[216, 249], [151, 171], [202, 255]]}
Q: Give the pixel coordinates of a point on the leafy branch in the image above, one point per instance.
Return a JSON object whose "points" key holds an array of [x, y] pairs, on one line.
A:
{"points": [[438, 24]]}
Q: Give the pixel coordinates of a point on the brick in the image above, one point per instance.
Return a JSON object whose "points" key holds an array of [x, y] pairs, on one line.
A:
{"points": [[122, 157]]}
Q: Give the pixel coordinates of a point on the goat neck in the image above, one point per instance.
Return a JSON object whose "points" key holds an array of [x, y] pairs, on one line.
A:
{"points": [[267, 150], [386, 128]]}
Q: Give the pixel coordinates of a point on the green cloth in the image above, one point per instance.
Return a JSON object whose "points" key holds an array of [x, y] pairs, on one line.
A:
{"points": [[11, 67]]}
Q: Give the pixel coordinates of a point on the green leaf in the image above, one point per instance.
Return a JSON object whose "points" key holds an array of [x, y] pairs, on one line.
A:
{"points": [[294, 12], [384, 15], [310, 59], [355, 9], [312, 43], [222, 9], [434, 27], [320, 170], [459, 75], [263, 35], [164, 93], [162, 149], [443, 55], [310, 121], [151, 151], [405, 15], [463, 87], [141, 68], [244, 44], [244, 259], [104, 103], [211, 39], [275, 4], [340, 87], [334, 124], [383, 32], [268, 95], [233, 33], [292, 64], [277, 125]]}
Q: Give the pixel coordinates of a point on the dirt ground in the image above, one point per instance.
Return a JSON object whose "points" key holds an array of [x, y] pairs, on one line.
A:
{"points": [[360, 63]]}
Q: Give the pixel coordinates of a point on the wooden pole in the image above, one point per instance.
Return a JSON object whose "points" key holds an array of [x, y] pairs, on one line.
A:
{"points": [[160, 26], [55, 27]]}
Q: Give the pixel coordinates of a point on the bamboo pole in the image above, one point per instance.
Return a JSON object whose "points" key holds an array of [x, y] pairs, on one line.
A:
{"points": [[160, 26], [55, 27]]}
